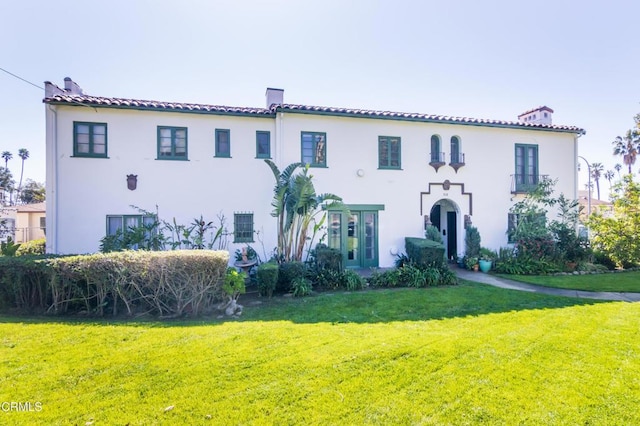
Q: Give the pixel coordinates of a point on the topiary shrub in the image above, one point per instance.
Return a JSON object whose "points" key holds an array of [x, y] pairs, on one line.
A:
{"points": [[33, 247], [472, 242], [432, 233], [289, 271], [267, 277], [424, 253]]}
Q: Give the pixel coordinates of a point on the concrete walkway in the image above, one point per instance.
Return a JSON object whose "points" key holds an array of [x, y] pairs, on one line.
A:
{"points": [[480, 277]]}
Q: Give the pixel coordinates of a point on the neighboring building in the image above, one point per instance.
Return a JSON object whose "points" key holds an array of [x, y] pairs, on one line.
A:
{"points": [[605, 208], [23, 223], [396, 171]]}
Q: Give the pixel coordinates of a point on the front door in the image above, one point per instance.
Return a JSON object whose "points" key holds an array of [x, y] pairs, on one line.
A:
{"points": [[452, 235], [356, 236]]}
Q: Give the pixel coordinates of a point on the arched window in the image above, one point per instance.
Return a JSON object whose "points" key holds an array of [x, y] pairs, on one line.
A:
{"points": [[436, 157], [455, 150]]}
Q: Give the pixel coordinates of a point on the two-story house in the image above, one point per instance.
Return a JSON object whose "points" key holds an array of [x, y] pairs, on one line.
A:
{"points": [[396, 171]]}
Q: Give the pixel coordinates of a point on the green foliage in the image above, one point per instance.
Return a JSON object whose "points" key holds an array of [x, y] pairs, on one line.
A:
{"points": [[267, 276], [33, 247], [432, 233], [487, 254], [234, 283], [300, 287], [288, 272], [24, 283], [353, 281], [423, 252], [32, 192], [470, 262], [618, 237], [603, 259], [386, 278], [324, 257], [9, 248], [472, 242], [412, 275], [250, 252], [297, 207]]}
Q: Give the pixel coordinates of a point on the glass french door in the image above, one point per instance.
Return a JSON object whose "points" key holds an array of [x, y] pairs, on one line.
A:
{"points": [[356, 236]]}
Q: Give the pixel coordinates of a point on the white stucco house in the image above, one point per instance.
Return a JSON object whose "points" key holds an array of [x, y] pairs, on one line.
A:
{"points": [[396, 171]]}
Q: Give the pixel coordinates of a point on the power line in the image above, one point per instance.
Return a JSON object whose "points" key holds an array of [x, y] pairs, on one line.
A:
{"points": [[20, 78]]}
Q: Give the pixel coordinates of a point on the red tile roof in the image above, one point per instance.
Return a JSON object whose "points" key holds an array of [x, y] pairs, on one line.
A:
{"points": [[97, 101]]}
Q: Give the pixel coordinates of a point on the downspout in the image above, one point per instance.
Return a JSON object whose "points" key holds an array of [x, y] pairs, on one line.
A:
{"points": [[52, 181]]}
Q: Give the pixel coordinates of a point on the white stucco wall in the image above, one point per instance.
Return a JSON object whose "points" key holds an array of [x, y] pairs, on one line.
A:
{"points": [[84, 190]]}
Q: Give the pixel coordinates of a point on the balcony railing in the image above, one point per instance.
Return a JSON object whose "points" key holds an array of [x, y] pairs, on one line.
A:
{"points": [[523, 183], [436, 160], [457, 160]]}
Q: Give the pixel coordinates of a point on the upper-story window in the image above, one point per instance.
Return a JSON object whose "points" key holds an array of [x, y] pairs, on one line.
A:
{"points": [[263, 144], [437, 156], [389, 152], [314, 149], [526, 177], [89, 139], [456, 155], [223, 143], [172, 143]]}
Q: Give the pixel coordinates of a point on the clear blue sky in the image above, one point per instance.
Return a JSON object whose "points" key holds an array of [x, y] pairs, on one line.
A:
{"points": [[489, 59]]}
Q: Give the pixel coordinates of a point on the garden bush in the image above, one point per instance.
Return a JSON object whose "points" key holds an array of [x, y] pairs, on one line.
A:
{"points": [[423, 252], [33, 247], [327, 258], [288, 271], [267, 277], [300, 286], [24, 283], [353, 281]]}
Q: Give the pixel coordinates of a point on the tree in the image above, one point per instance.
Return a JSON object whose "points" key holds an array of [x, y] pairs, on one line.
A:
{"points": [[609, 175], [7, 156], [619, 236], [627, 147], [596, 174], [33, 192], [618, 167], [23, 153], [6, 181]]}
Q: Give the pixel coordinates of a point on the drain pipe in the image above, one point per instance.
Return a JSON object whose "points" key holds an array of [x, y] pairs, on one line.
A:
{"points": [[51, 220]]}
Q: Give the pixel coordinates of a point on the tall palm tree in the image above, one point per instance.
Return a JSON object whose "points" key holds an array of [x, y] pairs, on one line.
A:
{"points": [[627, 147], [23, 153], [7, 156], [596, 174], [609, 175], [618, 167]]}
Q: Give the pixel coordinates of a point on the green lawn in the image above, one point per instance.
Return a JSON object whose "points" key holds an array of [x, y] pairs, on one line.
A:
{"points": [[617, 282], [470, 354]]}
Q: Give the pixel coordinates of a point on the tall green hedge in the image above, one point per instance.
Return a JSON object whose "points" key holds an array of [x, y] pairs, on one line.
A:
{"points": [[423, 252], [166, 284]]}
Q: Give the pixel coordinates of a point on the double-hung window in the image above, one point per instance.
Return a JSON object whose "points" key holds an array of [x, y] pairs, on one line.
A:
{"points": [[526, 177], [172, 143], [314, 149], [223, 143], [263, 144], [389, 152], [243, 228], [89, 139], [126, 222]]}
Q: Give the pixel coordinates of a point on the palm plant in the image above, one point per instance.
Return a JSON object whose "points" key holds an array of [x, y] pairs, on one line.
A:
{"points": [[609, 175], [23, 153], [6, 155], [596, 174], [618, 167], [627, 147]]}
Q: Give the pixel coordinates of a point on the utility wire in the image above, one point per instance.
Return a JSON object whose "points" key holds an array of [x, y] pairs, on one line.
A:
{"points": [[20, 78]]}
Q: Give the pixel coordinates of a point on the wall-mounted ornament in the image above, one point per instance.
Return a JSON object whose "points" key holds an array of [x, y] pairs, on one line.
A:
{"points": [[132, 182]]}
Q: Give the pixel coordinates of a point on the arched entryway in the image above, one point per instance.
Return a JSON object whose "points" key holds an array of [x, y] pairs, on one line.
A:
{"points": [[445, 215]]}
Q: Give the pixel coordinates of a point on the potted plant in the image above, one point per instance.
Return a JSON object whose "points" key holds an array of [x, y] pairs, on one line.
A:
{"points": [[487, 256], [471, 263]]}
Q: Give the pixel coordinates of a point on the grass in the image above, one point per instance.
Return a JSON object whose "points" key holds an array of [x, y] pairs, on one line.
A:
{"points": [[470, 354], [616, 282]]}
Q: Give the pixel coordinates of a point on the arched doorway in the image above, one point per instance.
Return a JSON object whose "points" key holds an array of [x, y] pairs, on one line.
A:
{"points": [[444, 215]]}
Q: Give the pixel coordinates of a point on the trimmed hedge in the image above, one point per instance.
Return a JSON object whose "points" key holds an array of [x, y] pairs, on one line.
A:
{"points": [[423, 252], [167, 284], [267, 277], [33, 247], [288, 272]]}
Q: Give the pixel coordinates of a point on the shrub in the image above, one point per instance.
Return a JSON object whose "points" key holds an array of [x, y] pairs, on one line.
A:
{"points": [[33, 247], [432, 233], [288, 271], [412, 276], [388, 278], [301, 287], [328, 279], [327, 258], [353, 281], [9, 248], [267, 276], [472, 242], [423, 252], [234, 283], [603, 259], [24, 283]]}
